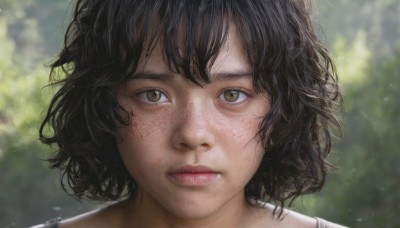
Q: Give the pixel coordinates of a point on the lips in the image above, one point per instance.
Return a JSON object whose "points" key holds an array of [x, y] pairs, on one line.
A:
{"points": [[193, 175]]}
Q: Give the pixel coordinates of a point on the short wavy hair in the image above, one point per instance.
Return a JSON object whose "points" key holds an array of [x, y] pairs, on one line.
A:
{"points": [[102, 47]]}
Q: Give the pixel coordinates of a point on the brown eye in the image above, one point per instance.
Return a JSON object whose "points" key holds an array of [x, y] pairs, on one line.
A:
{"points": [[231, 95], [153, 95]]}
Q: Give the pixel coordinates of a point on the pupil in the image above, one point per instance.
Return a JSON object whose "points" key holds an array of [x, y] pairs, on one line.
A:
{"points": [[231, 95], [153, 95]]}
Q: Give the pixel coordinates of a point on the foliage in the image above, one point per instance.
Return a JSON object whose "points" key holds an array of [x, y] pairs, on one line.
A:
{"points": [[363, 190], [367, 182], [379, 19], [29, 191]]}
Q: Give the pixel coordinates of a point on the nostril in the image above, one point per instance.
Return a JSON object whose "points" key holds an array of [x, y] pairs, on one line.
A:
{"points": [[205, 145], [192, 142]]}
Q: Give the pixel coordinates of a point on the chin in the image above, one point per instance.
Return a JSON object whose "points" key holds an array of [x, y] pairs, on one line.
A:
{"points": [[192, 209]]}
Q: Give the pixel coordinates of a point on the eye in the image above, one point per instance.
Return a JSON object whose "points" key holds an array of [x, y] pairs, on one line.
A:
{"points": [[152, 96], [234, 96]]}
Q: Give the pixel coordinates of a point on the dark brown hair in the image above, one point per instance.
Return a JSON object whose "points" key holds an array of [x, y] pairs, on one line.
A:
{"points": [[103, 44]]}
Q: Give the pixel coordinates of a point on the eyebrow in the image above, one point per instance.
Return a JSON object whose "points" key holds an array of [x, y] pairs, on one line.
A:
{"points": [[218, 77]]}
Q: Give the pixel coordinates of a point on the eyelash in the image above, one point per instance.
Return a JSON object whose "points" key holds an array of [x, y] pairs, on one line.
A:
{"points": [[142, 96], [243, 96]]}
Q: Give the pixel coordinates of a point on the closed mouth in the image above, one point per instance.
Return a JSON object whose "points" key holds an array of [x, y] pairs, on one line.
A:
{"points": [[193, 175]]}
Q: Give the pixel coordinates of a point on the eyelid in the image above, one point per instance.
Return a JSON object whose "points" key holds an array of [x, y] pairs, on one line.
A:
{"points": [[144, 99], [241, 92]]}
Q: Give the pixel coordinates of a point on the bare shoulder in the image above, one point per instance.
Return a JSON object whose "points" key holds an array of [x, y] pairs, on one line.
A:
{"points": [[90, 219], [112, 214], [295, 219], [288, 219]]}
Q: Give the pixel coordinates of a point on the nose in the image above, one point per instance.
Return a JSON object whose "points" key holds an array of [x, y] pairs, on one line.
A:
{"points": [[194, 130]]}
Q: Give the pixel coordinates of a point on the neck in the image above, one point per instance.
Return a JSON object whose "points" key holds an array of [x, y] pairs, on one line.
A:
{"points": [[146, 212]]}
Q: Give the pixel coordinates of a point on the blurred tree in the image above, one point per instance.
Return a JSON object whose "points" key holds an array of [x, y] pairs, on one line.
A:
{"points": [[29, 192], [379, 19], [36, 27], [372, 122], [364, 191]]}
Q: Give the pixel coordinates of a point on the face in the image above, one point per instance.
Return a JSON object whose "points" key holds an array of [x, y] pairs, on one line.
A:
{"points": [[192, 150]]}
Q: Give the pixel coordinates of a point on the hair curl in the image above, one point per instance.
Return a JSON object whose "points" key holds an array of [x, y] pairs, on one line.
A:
{"points": [[103, 44]]}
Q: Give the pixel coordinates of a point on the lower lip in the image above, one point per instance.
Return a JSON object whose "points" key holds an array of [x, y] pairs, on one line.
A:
{"points": [[193, 179]]}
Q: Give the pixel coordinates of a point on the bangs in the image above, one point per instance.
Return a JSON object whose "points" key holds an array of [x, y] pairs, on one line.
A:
{"points": [[190, 34]]}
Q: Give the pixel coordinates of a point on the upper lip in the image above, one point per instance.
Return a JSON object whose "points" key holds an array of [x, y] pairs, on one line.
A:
{"points": [[193, 169]]}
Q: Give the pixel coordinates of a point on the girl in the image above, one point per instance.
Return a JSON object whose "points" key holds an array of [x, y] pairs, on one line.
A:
{"points": [[192, 113]]}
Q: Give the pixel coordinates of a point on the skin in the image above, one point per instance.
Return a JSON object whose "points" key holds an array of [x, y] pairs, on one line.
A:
{"points": [[214, 126], [176, 124]]}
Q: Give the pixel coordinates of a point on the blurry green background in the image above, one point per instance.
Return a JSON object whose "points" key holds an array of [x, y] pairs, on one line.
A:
{"points": [[364, 37]]}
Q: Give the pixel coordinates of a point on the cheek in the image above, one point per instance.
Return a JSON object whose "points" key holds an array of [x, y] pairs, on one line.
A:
{"points": [[139, 160], [144, 126], [136, 145], [243, 130], [242, 143]]}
